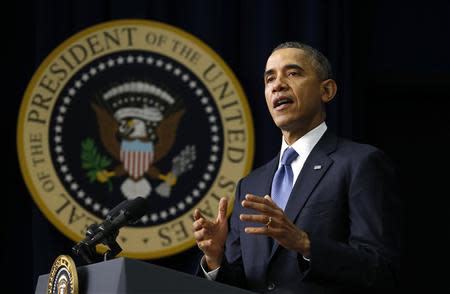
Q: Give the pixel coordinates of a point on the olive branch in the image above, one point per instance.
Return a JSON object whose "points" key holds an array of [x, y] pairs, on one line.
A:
{"points": [[93, 162]]}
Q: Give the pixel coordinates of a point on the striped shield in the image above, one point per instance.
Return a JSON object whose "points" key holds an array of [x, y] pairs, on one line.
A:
{"points": [[136, 156]]}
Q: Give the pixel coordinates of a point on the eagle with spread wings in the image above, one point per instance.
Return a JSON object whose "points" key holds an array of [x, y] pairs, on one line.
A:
{"points": [[138, 141]]}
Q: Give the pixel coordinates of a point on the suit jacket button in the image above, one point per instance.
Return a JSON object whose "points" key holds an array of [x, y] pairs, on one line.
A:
{"points": [[271, 286]]}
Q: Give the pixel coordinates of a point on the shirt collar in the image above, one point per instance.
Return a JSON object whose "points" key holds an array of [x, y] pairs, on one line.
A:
{"points": [[304, 145]]}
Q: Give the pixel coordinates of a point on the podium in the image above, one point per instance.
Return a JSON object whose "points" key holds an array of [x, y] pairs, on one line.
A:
{"points": [[129, 276]]}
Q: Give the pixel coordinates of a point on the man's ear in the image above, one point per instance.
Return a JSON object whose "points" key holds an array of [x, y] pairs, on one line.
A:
{"points": [[329, 89]]}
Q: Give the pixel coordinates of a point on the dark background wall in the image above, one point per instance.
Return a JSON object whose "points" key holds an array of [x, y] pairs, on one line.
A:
{"points": [[392, 66]]}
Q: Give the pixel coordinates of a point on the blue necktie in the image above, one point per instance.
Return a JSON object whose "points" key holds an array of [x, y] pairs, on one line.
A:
{"points": [[283, 179]]}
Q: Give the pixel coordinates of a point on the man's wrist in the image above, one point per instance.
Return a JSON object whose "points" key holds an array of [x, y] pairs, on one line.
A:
{"points": [[209, 274], [304, 244], [212, 263]]}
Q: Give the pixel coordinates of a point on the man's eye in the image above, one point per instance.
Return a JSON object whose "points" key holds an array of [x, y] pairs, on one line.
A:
{"points": [[293, 73], [269, 79]]}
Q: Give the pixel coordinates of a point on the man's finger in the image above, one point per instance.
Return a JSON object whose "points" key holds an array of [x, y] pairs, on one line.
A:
{"points": [[258, 206], [269, 201], [198, 224], [197, 214], [254, 198], [257, 230], [223, 205], [205, 243], [254, 218], [199, 235], [202, 223]]}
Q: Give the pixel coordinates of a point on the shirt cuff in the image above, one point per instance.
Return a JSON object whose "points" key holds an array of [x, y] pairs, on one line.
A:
{"points": [[210, 275]]}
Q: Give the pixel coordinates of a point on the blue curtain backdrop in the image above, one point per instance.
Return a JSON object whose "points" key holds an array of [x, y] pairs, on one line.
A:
{"points": [[390, 60]]}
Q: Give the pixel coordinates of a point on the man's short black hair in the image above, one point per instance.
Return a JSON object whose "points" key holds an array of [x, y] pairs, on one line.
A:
{"points": [[320, 63]]}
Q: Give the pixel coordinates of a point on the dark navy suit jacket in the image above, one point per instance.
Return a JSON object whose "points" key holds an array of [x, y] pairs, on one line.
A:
{"points": [[344, 198]]}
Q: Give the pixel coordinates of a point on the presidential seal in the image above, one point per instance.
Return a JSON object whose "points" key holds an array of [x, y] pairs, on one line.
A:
{"points": [[130, 109], [63, 277]]}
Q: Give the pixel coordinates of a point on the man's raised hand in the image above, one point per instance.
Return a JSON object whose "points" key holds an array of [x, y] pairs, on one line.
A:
{"points": [[211, 235]]}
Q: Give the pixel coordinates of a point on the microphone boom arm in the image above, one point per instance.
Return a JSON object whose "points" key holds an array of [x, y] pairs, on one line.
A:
{"points": [[106, 233], [87, 249]]}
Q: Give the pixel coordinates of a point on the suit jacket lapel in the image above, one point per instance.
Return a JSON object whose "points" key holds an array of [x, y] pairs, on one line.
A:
{"points": [[312, 172], [261, 245], [267, 175]]}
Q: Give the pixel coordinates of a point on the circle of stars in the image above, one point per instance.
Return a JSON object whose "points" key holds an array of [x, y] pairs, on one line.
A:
{"points": [[205, 101]]}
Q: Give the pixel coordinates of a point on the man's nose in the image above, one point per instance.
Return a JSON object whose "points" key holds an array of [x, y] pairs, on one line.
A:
{"points": [[279, 84]]}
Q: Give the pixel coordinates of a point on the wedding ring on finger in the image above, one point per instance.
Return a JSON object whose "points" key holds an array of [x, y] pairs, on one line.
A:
{"points": [[269, 221]]}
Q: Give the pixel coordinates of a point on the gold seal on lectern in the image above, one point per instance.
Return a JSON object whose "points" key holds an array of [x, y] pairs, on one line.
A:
{"points": [[63, 278]]}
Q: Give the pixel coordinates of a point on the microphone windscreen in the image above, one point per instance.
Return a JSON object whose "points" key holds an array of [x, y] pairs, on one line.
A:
{"points": [[136, 209], [116, 210]]}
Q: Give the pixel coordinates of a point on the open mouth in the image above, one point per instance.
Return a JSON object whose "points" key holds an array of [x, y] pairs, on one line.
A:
{"points": [[280, 102]]}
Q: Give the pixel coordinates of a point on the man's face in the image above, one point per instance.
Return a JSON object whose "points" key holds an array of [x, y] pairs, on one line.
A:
{"points": [[293, 91]]}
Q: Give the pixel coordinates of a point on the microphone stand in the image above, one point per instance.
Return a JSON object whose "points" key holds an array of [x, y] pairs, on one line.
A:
{"points": [[127, 212], [87, 251], [114, 247]]}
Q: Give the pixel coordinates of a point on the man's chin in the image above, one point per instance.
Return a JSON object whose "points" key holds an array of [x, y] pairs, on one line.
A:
{"points": [[283, 123]]}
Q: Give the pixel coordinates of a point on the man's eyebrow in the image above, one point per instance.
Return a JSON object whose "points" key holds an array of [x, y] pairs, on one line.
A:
{"points": [[293, 66], [268, 72]]}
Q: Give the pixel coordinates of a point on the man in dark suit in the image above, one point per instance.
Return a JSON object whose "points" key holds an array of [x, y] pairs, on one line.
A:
{"points": [[332, 221]]}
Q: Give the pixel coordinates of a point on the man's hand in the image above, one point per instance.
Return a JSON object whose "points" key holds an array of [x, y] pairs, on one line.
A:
{"points": [[211, 236], [276, 224]]}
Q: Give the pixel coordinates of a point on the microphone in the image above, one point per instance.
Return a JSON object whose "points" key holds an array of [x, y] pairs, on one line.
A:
{"points": [[126, 212]]}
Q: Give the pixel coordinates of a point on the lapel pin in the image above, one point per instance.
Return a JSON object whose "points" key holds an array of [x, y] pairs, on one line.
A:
{"points": [[317, 167]]}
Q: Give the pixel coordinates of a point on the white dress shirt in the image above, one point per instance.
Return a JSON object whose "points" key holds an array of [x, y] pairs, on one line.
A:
{"points": [[303, 147]]}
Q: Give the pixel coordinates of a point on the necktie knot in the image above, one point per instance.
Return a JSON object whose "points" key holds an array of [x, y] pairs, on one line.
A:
{"points": [[289, 155]]}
